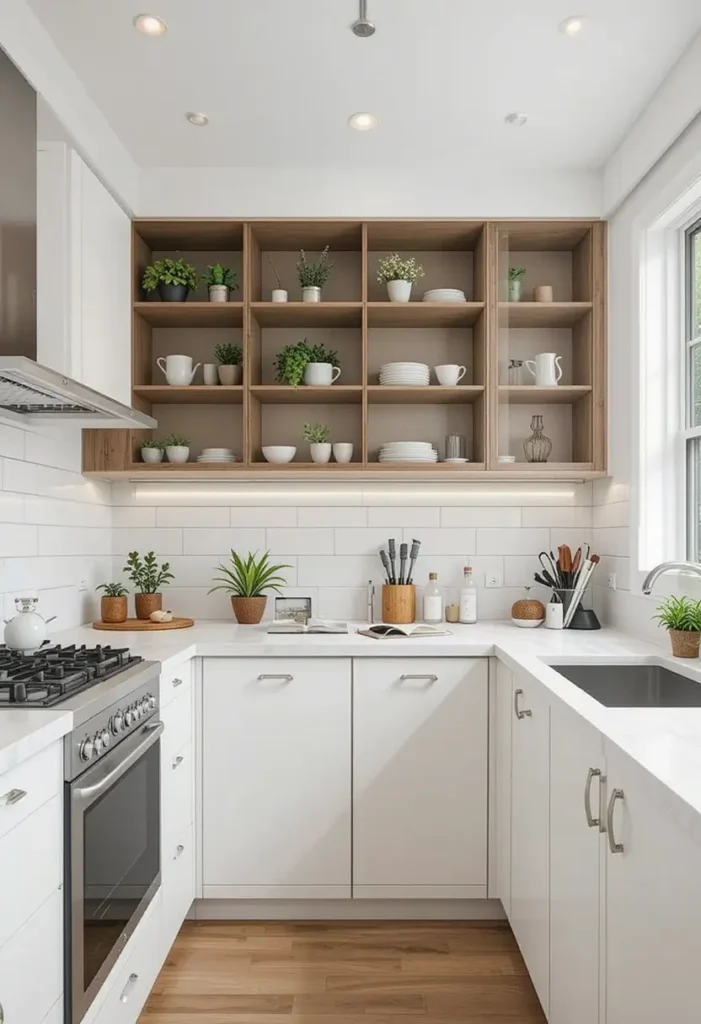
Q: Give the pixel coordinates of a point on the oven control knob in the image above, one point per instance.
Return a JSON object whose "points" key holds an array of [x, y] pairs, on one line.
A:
{"points": [[97, 742], [86, 749], [117, 723], [106, 738], [129, 717], [152, 702], [145, 706], [136, 709]]}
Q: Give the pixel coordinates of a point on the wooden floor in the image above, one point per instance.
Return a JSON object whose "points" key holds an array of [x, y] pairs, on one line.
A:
{"points": [[343, 973]]}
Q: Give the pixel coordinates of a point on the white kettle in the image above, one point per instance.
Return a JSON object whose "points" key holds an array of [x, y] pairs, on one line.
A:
{"points": [[27, 631], [546, 369]]}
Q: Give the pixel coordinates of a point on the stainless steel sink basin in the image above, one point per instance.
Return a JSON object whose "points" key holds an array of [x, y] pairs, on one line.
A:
{"points": [[634, 686]]}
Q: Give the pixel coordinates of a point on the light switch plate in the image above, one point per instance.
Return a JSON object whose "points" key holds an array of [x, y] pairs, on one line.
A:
{"points": [[493, 580]]}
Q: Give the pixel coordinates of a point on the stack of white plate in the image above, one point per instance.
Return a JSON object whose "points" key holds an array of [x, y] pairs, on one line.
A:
{"points": [[444, 295], [408, 451], [216, 455], [405, 374]]}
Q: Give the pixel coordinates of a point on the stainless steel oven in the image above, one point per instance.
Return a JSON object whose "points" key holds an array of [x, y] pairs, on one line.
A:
{"points": [[113, 861]]}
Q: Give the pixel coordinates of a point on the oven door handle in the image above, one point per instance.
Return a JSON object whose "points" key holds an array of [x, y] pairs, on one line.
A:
{"points": [[153, 731]]}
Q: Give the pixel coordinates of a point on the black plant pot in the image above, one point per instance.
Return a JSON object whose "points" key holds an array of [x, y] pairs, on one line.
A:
{"points": [[173, 292]]}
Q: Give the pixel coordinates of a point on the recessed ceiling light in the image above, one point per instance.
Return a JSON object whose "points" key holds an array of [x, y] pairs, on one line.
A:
{"points": [[516, 120], [363, 122], [573, 25], [199, 119], [150, 25]]}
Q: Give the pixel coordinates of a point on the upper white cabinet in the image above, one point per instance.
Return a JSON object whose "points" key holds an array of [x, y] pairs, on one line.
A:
{"points": [[83, 283], [420, 742], [276, 799]]}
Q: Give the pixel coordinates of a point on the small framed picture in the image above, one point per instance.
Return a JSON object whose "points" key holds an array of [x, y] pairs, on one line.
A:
{"points": [[299, 609]]}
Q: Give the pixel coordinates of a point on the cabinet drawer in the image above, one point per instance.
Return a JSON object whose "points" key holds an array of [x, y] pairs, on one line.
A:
{"points": [[176, 682], [34, 952], [32, 858], [177, 782], [38, 778], [177, 718], [178, 881], [135, 979]]}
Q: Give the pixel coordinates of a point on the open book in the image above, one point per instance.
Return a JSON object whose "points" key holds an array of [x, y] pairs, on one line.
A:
{"points": [[313, 626], [383, 631]]}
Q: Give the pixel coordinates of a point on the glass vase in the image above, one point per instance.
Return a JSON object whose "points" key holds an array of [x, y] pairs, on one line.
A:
{"points": [[537, 447]]}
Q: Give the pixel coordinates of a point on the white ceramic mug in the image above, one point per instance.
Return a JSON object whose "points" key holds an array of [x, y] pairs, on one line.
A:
{"points": [[211, 375], [450, 374], [543, 293], [321, 374], [178, 370], [343, 451], [546, 369]]}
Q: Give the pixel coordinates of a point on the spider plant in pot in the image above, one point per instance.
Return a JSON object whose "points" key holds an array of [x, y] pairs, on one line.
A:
{"points": [[148, 577], [313, 276], [681, 617], [399, 275], [318, 437], [177, 448], [229, 358], [220, 281], [246, 580], [516, 275], [172, 279], [113, 603], [151, 451]]}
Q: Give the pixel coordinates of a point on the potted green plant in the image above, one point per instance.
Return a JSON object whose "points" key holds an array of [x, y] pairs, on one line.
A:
{"points": [[246, 580], [317, 435], [229, 358], [313, 276], [177, 448], [399, 275], [516, 275], [151, 451], [681, 617], [113, 604], [221, 281], [311, 364], [148, 577], [172, 279]]}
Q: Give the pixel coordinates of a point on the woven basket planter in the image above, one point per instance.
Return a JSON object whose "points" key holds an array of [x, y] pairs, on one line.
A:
{"points": [[248, 611], [684, 644]]}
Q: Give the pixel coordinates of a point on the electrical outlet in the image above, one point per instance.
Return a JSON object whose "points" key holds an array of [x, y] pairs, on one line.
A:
{"points": [[493, 579], [612, 581]]}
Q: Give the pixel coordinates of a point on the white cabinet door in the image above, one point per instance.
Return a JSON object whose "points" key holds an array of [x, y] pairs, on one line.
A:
{"points": [[577, 852], [420, 739], [530, 754], [653, 902], [31, 965], [276, 802], [502, 833]]}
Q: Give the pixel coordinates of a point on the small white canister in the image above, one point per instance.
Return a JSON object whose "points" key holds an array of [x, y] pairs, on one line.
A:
{"points": [[554, 614]]}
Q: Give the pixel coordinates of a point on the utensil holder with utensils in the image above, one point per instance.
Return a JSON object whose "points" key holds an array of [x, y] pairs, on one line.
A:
{"points": [[398, 603]]}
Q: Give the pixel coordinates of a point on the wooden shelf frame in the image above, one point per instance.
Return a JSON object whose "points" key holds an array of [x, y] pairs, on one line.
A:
{"points": [[114, 454]]}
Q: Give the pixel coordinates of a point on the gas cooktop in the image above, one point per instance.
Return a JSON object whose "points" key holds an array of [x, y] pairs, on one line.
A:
{"points": [[54, 673]]}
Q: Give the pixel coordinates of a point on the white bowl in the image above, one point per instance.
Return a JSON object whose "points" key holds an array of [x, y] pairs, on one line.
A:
{"points": [[279, 453], [527, 623]]}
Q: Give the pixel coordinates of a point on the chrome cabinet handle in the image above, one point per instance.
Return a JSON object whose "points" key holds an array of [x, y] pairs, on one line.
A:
{"points": [[179, 851], [614, 847], [177, 761], [177, 682], [131, 981], [520, 713], [426, 678], [13, 796], [281, 675], [592, 822]]}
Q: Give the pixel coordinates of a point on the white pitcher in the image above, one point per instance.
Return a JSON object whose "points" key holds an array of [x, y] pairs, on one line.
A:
{"points": [[178, 370], [546, 369]]}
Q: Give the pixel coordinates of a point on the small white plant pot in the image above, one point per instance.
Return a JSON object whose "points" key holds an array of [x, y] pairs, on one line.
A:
{"points": [[230, 374], [177, 453], [343, 451], [211, 377], [515, 289], [279, 295], [218, 293], [152, 454], [311, 294], [399, 291], [320, 452]]}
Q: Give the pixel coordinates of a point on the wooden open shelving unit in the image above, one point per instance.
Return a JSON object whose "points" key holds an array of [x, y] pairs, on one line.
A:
{"points": [[355, 319]]}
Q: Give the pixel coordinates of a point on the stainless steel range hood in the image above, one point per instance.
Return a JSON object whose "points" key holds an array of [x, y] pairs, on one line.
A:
{"points": [[30, 392]]}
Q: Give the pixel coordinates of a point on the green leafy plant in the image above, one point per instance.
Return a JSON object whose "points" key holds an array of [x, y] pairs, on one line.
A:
{"points": [[217, 274], [146, 574], [316, 274], [250, 576], [176, 441], [152, 444], [680, 613], [316, 433], [394, 268], [516, 273], [227, 354], [113, 589], [169, 272], [291, 361]]}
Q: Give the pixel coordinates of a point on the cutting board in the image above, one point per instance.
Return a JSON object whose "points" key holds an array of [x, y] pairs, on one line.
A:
{"points": [[136, 625]]}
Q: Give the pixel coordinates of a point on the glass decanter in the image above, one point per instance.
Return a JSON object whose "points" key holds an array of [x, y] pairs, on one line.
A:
{"points": [[537, 447]]}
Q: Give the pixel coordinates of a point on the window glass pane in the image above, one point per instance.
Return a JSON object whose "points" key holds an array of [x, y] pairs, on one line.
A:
{"points": [[693, 451], [695, 386], [695, 281]]}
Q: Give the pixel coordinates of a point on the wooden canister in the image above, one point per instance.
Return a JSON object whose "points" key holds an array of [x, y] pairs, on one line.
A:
{"points": [[398, 604], [543, 293]]}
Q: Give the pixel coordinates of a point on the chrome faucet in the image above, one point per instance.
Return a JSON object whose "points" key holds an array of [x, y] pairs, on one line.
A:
{"points": [[664, 567]]}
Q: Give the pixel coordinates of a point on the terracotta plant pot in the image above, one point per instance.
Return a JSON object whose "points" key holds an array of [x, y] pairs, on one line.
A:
{"points": [[684, 644], [113, 609], [248, 611], [147, 603]]}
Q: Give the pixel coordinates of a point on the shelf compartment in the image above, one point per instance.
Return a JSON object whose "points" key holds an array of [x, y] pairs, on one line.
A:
{"points": [[424, 314], [542, 314], [191, 394], [308, 314], [433, 235], [529, 394], [426, 467], [190, 233], [185, 468], [191, 314], [434, 394], [283, 394]]}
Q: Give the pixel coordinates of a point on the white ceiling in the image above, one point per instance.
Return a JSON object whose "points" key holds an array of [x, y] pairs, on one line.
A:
{"points": [[278, 78]]}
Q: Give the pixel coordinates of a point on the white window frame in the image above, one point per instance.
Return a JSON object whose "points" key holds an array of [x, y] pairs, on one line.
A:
{"points": [[692, 340]]}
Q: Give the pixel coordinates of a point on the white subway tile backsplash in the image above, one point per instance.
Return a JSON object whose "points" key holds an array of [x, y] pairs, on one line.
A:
{"points": [[560, 517], [410, 517], [331, 516], [12, 508], [485, 516], [444, 541], [19, 476], [163, 542], [221, 542], [573, 537], [18, 540], [255, 516], [301, 541], [615, 514], [339, 571], [11, 442], [361, 542], [512, 542], [345, 603], [614, 540], [209, 517], [133, 517], [519, 570], [74, 540]]}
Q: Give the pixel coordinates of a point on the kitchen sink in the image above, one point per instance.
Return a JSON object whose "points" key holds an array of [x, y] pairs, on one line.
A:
{"points": [[634, 686]]}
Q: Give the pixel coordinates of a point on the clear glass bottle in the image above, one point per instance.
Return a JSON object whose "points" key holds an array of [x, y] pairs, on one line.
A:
{"points": [[515, 371], [468, 597], [433, 600]]}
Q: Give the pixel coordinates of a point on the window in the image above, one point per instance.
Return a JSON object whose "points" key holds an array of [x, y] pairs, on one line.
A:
{"points": [[692, 432]]}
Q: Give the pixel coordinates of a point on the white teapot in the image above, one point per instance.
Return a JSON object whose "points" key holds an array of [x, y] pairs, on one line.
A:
{"points": [[27, 631]]}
